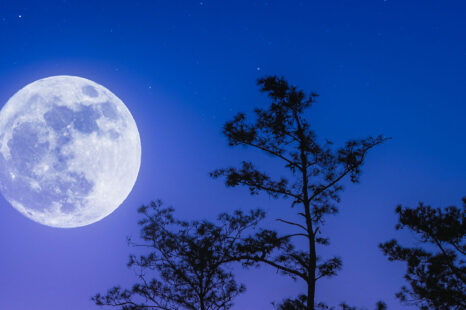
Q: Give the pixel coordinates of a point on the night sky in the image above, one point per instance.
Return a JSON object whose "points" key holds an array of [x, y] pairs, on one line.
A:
{"points": [[183, 68]]}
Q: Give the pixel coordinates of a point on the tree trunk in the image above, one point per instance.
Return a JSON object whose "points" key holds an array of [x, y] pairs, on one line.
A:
{"points": [[311, 275], [310, 295], [311, 269], [311, 282], [201, 302]]}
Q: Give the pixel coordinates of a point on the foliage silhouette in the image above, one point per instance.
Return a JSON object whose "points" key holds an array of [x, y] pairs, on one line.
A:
{"points": [[316, 174], [300, 302], [436, 272], [187, 257]]}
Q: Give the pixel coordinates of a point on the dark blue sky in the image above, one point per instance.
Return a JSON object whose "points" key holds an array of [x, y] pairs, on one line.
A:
{"points": [[185, 67]]}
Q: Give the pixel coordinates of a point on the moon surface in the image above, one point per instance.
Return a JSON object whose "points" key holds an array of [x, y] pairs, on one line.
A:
{"points": [[70, 151]]}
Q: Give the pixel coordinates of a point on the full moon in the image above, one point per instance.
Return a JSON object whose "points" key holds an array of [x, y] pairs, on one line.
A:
{"points": [[69, 151]]}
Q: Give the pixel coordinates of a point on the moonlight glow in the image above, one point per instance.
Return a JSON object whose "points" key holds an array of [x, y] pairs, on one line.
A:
{"points": [[69, 151]]}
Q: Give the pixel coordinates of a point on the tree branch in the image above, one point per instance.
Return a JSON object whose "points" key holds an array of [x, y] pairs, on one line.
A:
{"points": [[292, 223]]}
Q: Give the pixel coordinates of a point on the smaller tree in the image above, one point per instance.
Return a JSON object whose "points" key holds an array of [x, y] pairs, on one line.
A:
{"points": [[187, 257], [436, 272]]}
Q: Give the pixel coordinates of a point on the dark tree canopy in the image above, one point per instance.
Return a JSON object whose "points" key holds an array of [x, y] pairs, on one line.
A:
{"points": [[313, 186], [436, 271], [184, 266]]}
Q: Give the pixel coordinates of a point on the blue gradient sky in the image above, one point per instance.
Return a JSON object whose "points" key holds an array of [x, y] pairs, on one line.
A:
{"points": [[185, 67]]}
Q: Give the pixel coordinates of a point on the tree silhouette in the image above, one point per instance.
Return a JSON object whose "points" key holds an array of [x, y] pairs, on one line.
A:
{"points": [[436, 271], [316, 173], [187, 257]]}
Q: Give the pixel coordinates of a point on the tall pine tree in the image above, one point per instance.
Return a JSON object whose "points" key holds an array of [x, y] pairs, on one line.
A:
{"points": [[317, 171]]}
